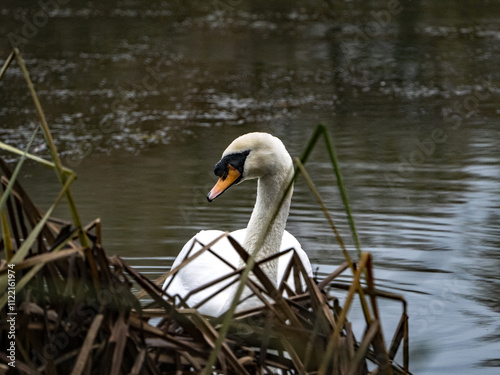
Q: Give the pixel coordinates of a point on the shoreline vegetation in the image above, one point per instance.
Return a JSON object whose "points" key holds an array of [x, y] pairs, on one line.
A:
{"points": [[77, 310]]}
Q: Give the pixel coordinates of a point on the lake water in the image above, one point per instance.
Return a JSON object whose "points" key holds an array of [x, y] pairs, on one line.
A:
{"points": [[143, 97]]}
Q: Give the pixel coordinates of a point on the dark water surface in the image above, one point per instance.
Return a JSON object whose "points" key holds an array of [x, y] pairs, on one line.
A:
{"points": [[143, 97]]}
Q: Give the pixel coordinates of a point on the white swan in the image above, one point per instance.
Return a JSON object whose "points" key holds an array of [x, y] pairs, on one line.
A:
{"points": [[252, 156]]}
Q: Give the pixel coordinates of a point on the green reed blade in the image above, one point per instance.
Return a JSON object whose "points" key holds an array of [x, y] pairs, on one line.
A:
{"points": [[33, 271], [7, 239], [6, 64], [33, 236], [321, 204], [18, 169], [53, 152], [228, 317], [343, 194], [312, 187], [35, 158], [320, 130], [9, 249], [334, 338]]}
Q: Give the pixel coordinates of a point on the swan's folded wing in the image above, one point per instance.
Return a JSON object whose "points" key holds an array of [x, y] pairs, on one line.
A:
{"points": [[289, 241], [204, 269]]}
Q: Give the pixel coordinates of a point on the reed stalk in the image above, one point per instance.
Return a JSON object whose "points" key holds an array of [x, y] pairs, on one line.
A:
{"points": [[300, 331], [32, 237], [7, 240], [53, 150], [62, 173], [35, 158], [321, 130], [9, 249], [333, 341], [320, 202], [7, 63]]}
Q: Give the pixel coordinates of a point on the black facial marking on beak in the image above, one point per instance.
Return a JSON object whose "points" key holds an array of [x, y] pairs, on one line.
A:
{"points": [[237, 161], [229, 166]]}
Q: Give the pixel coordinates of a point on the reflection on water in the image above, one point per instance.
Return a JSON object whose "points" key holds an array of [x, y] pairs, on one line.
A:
{"points": [[143, 97]]}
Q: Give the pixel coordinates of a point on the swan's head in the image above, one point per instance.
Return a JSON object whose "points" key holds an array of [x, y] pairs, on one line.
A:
{"points": [[253, 155]]}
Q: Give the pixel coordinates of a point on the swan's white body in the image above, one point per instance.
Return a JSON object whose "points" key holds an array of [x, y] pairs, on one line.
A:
{"points": [[207, 267], [254, 155]]}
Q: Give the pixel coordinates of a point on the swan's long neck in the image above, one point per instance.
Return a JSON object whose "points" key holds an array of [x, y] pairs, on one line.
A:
{"points": [[270, 190]]}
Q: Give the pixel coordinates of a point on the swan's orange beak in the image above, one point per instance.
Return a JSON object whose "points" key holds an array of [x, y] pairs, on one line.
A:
{"points": [[225, 181]]}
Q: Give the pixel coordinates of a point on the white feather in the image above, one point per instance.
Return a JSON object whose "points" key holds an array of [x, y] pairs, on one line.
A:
{"points": [[268, 161]]}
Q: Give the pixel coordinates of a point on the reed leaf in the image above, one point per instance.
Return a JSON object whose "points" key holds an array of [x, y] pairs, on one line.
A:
{"points": [[7, 240], [292, 334], [342, 190], [250, 263], [335, 336], [13, 178], [41, 261], [55, 156], [9, 248], [320, 130], [118, 338], [32, 237], [86, 349], [60, 170], [7, 64], [35, 158], [359, 358], [21, 253], [321, 204]]}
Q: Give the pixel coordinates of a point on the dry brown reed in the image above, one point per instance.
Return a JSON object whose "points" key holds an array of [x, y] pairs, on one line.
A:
{"points": [[68, 324], [80, 311]]}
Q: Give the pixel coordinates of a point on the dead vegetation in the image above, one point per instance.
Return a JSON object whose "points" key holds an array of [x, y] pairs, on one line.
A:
{"points": [[80, 311]]}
